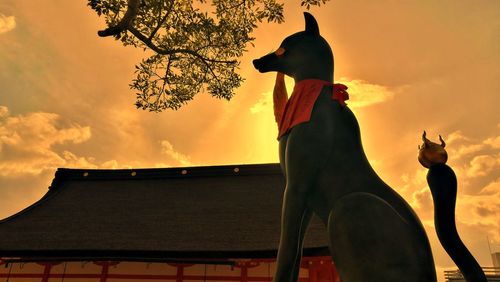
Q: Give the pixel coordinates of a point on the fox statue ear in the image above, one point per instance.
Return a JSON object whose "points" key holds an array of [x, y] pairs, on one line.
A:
{"points": [[311, 24]]}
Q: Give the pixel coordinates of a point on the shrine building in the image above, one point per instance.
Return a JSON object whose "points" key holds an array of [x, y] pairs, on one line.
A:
{"points": [[217, 223]]}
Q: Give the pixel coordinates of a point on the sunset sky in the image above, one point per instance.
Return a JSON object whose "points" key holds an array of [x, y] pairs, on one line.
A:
{"points": [[410, 65]]}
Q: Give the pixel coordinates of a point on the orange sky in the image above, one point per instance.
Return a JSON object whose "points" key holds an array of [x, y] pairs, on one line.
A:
{"points": [[410, 65]]}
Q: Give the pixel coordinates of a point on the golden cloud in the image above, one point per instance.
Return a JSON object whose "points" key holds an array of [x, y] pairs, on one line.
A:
{"points": [[455, 136], [27, 143], [168, 149], [465, 147], [7, 23], [483, 165], [485, 209], [422, 201], [492, 188], [265, 103], [361, 94], [494, 142], [465, 150], [112, 164], [4, 111]]}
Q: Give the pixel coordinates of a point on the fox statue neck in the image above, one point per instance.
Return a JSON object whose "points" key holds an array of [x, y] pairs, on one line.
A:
{"points": [[312, 71]]}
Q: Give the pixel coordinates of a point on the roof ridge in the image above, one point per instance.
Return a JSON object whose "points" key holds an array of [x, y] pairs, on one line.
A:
{"points": [[63, 174]]}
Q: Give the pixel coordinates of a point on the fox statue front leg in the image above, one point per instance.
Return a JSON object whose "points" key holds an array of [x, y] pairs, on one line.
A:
{"points": [[290, 248], [291, 240], [303, 153], [295, 214]]}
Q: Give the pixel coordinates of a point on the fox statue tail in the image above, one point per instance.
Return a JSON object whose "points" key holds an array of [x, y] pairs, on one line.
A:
{"points": [[443, 185]]}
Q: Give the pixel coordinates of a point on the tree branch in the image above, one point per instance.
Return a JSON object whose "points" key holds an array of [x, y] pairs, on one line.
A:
{"points": [[125, 22], [162, 20], [161, 51]]}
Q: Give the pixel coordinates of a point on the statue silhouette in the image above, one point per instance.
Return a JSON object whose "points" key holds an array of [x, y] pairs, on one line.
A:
{"points": [[374, 234]]}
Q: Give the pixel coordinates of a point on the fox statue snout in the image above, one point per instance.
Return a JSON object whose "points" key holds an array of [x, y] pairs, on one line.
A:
{"points": [[267, 63], [264, 64]]}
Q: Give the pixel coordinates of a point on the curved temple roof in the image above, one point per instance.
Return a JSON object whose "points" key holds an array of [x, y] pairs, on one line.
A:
{"points": [[209, 212]]}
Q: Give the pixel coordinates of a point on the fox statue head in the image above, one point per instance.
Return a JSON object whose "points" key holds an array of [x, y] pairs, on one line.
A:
{"points": [[302, 55]]}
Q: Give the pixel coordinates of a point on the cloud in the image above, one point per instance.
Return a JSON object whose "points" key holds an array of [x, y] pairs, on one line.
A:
{"points": [[413, 184], [76, 161], [464, 146], [485, 210], [7, 23], [422, 200], [264, 103], [465, 150], [492, 188], [494, 142], [112, 164], [455, 136], [476, 161], [168, 149], [483, 165], [4, 111], [28, 143], [363, 93]]}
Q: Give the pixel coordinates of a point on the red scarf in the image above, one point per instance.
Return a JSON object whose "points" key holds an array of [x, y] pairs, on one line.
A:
{"points": [[297, 109]]}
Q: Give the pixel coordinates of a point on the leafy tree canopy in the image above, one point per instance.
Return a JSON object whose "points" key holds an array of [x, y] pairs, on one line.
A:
{"points": [[197, 44]]}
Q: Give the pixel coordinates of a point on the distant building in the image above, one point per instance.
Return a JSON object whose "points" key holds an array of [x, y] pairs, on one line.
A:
{"points": [[217, 223], [495, 257], [492, 273]]}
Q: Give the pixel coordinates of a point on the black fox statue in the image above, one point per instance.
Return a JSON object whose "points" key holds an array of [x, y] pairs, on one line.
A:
{"points": [[374, 234]]}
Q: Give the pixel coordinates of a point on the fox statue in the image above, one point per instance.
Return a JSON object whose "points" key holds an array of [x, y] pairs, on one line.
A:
{"points": [[374, 234]]}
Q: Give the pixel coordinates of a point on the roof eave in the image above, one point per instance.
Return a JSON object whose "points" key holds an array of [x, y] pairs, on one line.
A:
{"points": [[135, 255]]}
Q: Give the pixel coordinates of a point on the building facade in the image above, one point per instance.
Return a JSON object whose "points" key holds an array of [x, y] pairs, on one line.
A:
{"points": [[178, 224], [315, 269]]}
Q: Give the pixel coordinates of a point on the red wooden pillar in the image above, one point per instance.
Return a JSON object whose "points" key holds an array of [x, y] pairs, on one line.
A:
{"points": [[313, 277], [321, 269], [244, 274], [180, 273], [335, 273], [180, 270], [104, 273], [47, 266], [324, 273], [105, 269], [46, 272], [244, 266]]}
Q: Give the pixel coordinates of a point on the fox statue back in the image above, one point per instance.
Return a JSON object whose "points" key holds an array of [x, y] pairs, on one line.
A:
{"points": [[374, 234]]}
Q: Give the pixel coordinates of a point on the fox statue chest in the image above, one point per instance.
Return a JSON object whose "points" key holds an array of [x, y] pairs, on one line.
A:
{"points": [[299, 107]]}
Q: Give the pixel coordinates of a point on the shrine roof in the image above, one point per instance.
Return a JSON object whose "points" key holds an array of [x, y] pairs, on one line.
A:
{"points": [[228, 211]]}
